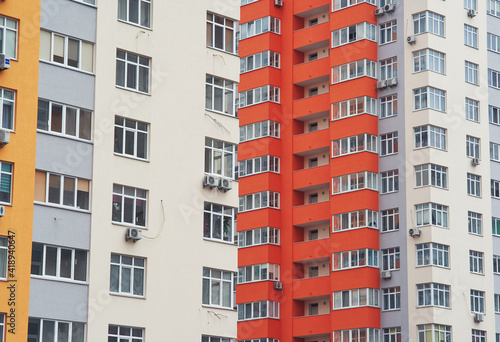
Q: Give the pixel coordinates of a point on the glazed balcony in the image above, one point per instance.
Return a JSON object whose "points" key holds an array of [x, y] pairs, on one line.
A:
{"points": [[312, 37]]}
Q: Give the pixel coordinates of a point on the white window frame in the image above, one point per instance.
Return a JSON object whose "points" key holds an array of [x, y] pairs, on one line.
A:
{"points": [[259, 272], [388, 32], [494, 79], [260, 26], [369, 335], [43, 326], [473, 185], [354, 33], [474, 223], [347, 299], [260, 60], [75, 190], [354, 144], [8, 25], [126, 333], [227, 27], [206, 338], [495, 188], [389, 220], [137, 196], [142, 5], [478, 335], [495, 222], [388, 106], [472, 147], [391, 299], [4, 265], [220, 158], [476, 264], [497, 303], [390, 259], [431, 175], [254, 166], [261, 129], [471, 73], [221, 281], [389, 68], [470, 4], [441, 332], [365, 218], [117, 263], [259, 236], [431, 214], [246, 2], [142, 67], [391, 334], [224, 217], [470, 36], [433, 294], [471, 109], [433, 254], [493, 41], [259, 200], [476, 301], [353, 70], [7, 100], [428, 22], [220, 88], [340, 4], [258, 310], [352, 107], [358, 258], [354, 182], [495, 152], [6, 176], [140, 129], [494, 115], [259, 95], [428, 59], [430, 136], [429, 98], [389, 144], [493, 8], [389, 181], [71, 262], [496, 264]]}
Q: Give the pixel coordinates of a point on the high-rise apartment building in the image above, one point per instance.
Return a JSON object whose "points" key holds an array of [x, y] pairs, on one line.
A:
{"points": [[366, 133]]}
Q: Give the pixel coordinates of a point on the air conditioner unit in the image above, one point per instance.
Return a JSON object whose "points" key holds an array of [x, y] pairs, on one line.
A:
{"points": [[478, 317], [4, 137], [278, 285], [225, 184], [414, 232], [389, 8], [386, 275], [381, 84], [2, 211], [411, 39], [471, 13], [278, 3], [379, 11], [133, 234], [475, 161], [210, 181], [4, 62], [392, 82]]}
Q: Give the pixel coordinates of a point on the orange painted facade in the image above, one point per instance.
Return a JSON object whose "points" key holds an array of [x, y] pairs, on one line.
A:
{"points": [[307, 167], [22, 78]]}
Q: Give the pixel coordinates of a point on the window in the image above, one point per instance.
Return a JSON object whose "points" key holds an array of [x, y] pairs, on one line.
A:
{"points": [[474, 223], [476, 301], [217, 288], [433, 254], [258, 165], [313, 234], [7, 101], [259, 95], [388, 32], [390, 181], [470, 4], [472, 147], [64, 120], [431, 214], [390, 259], [476, 262], [493, 7], [471, 109], [205, 338], [430, 136], [495, 188], [313, 272], [388, 68], [353, 182], [127, 275], [355, 219], [431, 174], [129, 205], [256, 310], [388, 106], [52, 331], [470, 36], [473, 185], [354, 259], [135, 11], [364, 334], [493, 42], [478, 335], [433, 333], [59, 262], [132, 71], [428, 60], [4, 252], [390, 220], [259, 236], [339, 4], [70, 52], [355, 298], [391, 298], [220, 33], [91, 2], [8, 37], [125, 334], [349, 71], [493, 79], [131, 138], [389, 143], [354, 33], [494, 151], [259, 26], [260, 60], [430, 98], [496, 264], [220, 95], [354, 144], [219, 222], [495, 224], [245, 2], [428, 22], [61, 190], [2, 327], [5, 182], [260, 129], [433, 294], [260, 272], [220, 158], [391, 334], [471, 73], [259, 200], [360, 105]]}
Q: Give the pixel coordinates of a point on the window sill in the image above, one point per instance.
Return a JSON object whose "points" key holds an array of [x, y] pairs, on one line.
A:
{"points": [[430, 186], [260, 68], [265, 136], [220, 241], [59, 135], [125, 295], [67, 67], [59, 280], [134, 24], [354, 78], [132, 90], [350, 229], [354, 307], [128, 225], [388, 116], [348, 191], [250, 210], [389, 231], [131, 157], [224, 51], [353, 268], [350, 116], [445, 267], [254, 319], [261, 244], [52, 205], [217, 307], [84, 3], [222, 113], [259, 173]]}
